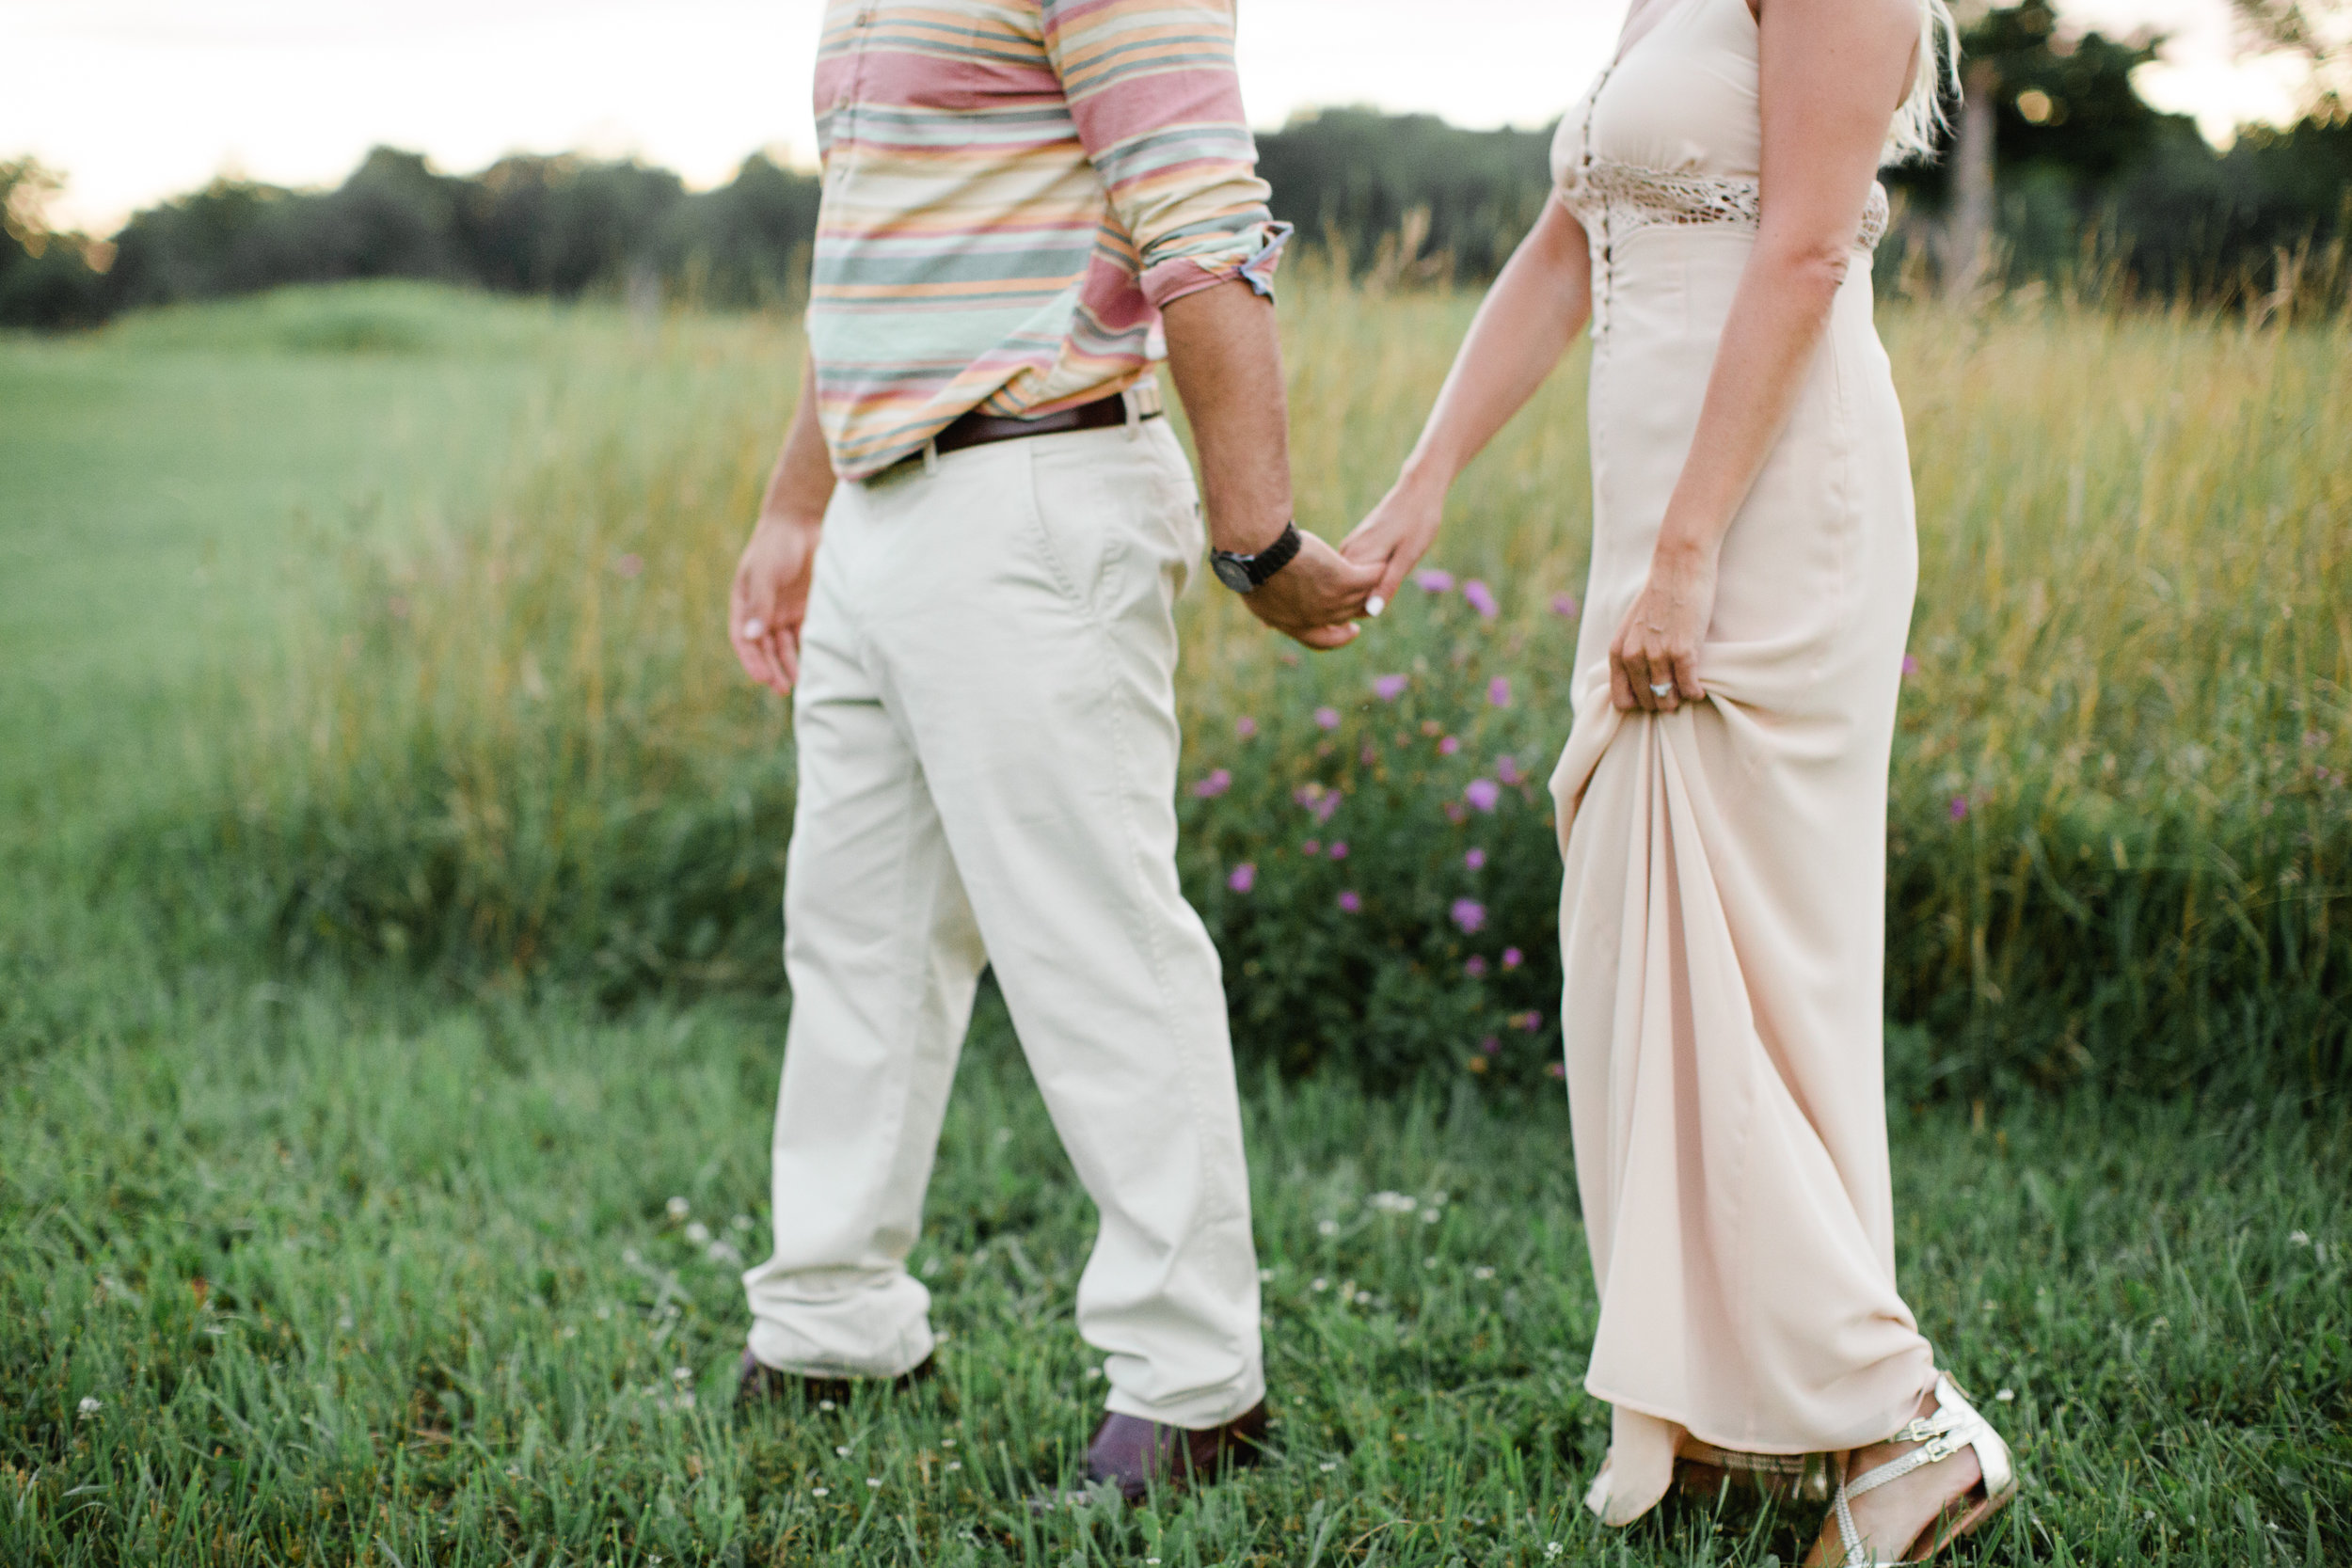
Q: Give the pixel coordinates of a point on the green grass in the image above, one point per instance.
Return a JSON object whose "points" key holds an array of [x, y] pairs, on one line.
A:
{"points": [[355, 1279], [359, 1268], [165, 486]]}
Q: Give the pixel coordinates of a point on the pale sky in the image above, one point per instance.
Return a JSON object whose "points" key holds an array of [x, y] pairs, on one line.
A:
{"points": [[136, 100]]}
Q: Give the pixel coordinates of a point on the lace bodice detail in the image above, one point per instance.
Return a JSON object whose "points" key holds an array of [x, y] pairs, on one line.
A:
{"points": [[1624, 199]]}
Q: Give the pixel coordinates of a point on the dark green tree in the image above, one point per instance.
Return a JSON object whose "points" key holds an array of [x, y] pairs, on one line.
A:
{"points": [[46, 281], [1353, 175]]}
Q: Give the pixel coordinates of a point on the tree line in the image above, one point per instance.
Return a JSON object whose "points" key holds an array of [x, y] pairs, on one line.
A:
{"points": [[2085, 175]]}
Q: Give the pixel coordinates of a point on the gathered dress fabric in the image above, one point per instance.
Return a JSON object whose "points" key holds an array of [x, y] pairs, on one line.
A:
{"points": [[1721, 920]]}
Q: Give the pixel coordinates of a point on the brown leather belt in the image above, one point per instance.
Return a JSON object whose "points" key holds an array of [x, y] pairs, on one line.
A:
{"points": [[977, 429]]}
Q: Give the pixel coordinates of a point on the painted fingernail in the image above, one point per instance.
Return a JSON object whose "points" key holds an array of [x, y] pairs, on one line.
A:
{"points": [[1374, 606]]}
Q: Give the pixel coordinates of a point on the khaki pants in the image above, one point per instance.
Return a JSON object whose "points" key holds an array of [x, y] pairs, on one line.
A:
{"points": [[987, 736]]}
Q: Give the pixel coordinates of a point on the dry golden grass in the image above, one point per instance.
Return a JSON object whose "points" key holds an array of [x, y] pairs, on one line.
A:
{"points": [[517, 735]]}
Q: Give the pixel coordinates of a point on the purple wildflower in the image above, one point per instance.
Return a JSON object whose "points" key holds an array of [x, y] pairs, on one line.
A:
{"points": [[1339, 848], [1482, 599], [1911, 665], [1499, 691], [1244, 876], [1474, 966], [1312, 846], [1217, 784], [1528, 1021], [1512, 957], [1960, 807], [1475, 858], [1368, 755], [1470, 914], [1434, 580], [1450, 745], [1350, 903], [1507, 768], [1564, 603], [1491, 1046], [1390, 688], [1327, 717], [1557, 1070], [1245, 726], [1455, 813], [1482, 793]]}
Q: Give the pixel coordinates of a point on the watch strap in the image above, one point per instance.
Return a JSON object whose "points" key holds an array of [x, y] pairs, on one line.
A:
{"points": [[1268, 562]]}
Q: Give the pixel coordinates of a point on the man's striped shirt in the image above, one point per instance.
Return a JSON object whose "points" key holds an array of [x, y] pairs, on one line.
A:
{"points": [[1013, 189]]}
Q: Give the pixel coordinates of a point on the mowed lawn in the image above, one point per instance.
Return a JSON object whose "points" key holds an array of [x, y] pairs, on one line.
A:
{"points": [[316, 1268]]}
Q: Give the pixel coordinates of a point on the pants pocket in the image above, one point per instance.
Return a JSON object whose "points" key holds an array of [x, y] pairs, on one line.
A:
{"points": [[1113, 511]]}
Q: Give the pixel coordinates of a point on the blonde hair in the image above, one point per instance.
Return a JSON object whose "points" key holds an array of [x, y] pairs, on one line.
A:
{"points": [[1921, 119]]}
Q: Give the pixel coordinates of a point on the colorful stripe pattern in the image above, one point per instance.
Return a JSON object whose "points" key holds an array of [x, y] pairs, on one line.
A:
{"points": [[1013, 190]]}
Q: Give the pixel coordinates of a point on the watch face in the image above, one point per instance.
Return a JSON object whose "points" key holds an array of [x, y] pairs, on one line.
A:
{"points": [[1232, 573]]}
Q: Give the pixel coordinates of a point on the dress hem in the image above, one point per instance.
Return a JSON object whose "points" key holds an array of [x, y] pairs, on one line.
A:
{"points": [[1749, 1445]]}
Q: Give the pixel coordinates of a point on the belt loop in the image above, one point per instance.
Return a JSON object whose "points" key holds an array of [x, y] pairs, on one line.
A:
{"points": [[1132, 398], [931, 456]]}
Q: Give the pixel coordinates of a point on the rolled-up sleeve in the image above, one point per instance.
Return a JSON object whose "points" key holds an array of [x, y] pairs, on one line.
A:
{"points": [[1152, 86]]}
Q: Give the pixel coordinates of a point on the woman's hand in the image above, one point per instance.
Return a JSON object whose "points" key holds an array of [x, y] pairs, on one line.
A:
{"points": [[1396, 535], [1657, 646]]}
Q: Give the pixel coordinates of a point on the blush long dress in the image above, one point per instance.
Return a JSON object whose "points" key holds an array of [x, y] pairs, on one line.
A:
{"points": [[1722, 917]]}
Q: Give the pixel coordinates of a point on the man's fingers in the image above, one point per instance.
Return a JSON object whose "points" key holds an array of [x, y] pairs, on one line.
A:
{"points": [[1367, 576], [1324, 638], [756, 664], [1363, 587], [747, 634]]}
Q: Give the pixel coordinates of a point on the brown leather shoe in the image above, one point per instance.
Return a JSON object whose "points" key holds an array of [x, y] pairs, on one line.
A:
{"points": [[1133, 1454], [757, 1384]]}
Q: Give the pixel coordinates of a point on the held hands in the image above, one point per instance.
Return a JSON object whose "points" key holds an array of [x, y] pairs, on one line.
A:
{"points": [[1316, 597], [769, 599], [1653, 661]]}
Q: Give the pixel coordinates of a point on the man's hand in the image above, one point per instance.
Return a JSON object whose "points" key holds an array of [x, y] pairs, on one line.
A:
{"points": [[1226, 360], [770, 600], [770, 595], [1316, 597]]}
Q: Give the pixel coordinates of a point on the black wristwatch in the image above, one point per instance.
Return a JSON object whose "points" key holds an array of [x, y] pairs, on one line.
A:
{"points": [[1246, 574]]}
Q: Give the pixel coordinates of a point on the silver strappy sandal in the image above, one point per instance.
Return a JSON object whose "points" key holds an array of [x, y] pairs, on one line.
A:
{"points": [[1954, 1426]]}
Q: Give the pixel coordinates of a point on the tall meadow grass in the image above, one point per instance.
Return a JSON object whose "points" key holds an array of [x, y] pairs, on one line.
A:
{"points": [[510, 744]]}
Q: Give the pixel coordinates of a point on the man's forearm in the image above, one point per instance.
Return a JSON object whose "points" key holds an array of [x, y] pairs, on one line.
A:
{"points": [[802, 481], [1227, 360]]}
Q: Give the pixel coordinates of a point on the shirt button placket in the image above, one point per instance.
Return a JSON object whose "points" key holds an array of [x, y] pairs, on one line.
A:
{"points": [[854, 95]]}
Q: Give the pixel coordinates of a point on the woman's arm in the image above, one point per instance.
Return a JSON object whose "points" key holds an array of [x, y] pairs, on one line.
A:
{"points": [[1834, 71], [1527, 321]]}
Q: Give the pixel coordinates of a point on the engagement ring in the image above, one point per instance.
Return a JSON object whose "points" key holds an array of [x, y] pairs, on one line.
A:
{"points": [[754, 630], [1662, 690]]}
